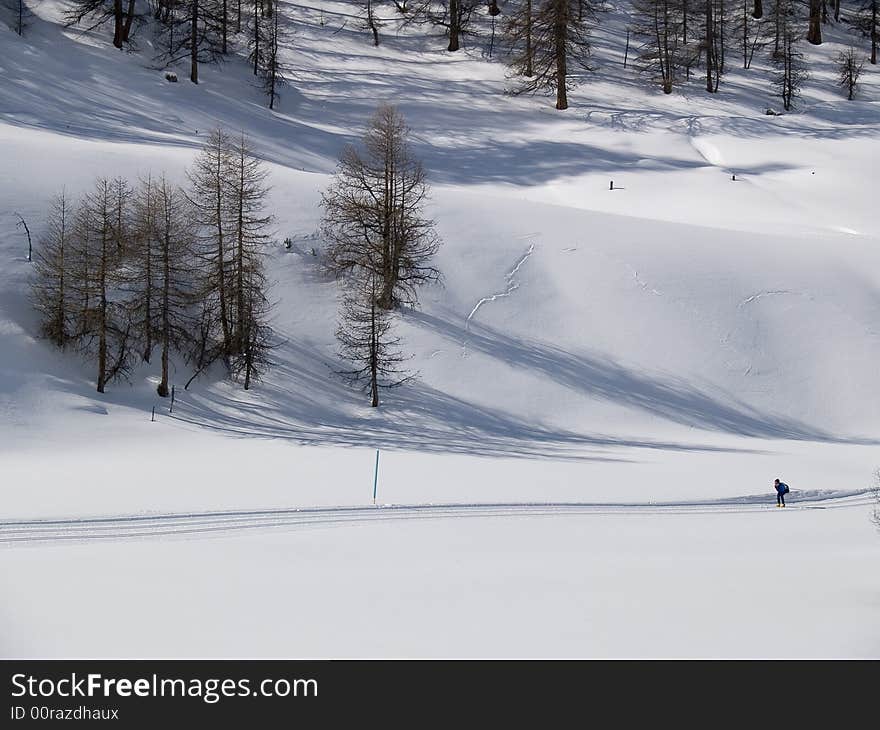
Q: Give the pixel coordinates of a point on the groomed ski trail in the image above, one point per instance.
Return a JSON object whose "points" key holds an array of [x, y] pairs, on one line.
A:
{"points": [[199, 523]]}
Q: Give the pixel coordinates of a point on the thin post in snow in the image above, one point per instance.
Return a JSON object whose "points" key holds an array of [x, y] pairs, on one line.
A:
{"points": [[376, 477], [153, 415], [171, 407], [626, 52]]}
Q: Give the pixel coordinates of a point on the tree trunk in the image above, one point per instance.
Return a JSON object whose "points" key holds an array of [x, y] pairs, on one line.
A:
{"points": [[273, 62], [787, 80], [162, 390], [148, 309], [560, 32], [221, 256], [758, 10], [372, 23], [224, 25], [239, 262], [385, 299], [62, 268], [777, 28], [529, 52], [117, 26], [194, 44], [256, 40], [454, 24], [710, 47], [814, 34], [129, 19], [874, 31], [374, 355], [102, 319], [248, 359]]}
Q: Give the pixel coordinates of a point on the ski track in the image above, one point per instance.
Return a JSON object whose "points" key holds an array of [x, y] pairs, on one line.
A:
{"points": [[87, 529], [512, 286], [644, 284], [761, 295]]}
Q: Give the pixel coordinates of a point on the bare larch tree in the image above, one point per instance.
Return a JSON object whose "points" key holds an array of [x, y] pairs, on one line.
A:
{"points": [[161, 271], [48, 291], [557, 32], [372, 213], [849, 69], [266, 47], [102, 11], [103, 326], [366, 340], [208, 179], [661, 25], [517, 31], [790, 70], [246, 192], [867, 21]]}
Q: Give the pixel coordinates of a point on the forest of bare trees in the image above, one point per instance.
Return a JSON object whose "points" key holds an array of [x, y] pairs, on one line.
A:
{"points": [[135, 270], [545, 42], [127, 271], [196, 32]]}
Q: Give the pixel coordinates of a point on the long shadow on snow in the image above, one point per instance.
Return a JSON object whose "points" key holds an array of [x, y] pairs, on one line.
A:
{"points": [[308, 405], [675, 400], [78, 79]]}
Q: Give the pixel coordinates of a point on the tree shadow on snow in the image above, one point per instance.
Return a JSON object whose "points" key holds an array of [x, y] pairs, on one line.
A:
{"points": [[672, 399], [308, 404]]}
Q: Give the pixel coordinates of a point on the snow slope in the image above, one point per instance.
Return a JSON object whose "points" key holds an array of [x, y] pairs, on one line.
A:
{"points": [[679, 340]]}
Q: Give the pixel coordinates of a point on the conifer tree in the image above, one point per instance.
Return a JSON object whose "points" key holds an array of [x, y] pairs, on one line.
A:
{"points": [[867, 21], [209, 177], [549, 39], [790, 70], [49, 289], [661, 24], [249, 234], [367, 341], [373, 221]]}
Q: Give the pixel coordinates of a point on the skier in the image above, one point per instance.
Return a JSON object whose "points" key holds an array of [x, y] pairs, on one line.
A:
{"points": [[781, 490]]}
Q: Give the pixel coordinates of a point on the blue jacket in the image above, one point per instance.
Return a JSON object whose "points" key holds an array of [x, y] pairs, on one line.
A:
{"points": [[782, 487]]}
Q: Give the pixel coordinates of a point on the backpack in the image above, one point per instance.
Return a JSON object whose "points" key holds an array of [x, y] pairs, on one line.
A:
{"points": [[785, 490]]}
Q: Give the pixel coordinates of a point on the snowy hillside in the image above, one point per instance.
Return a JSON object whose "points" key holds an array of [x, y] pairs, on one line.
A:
{"points": [[655, 354]]}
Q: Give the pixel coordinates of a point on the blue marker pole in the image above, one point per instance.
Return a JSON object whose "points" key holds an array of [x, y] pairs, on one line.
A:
{"points": [[376, 477]]}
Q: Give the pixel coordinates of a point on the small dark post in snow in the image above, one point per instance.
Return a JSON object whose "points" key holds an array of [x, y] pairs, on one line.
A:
{"points": [[611, 187], [153, 414], [171, 407], [733, 177], [626, 52]]}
